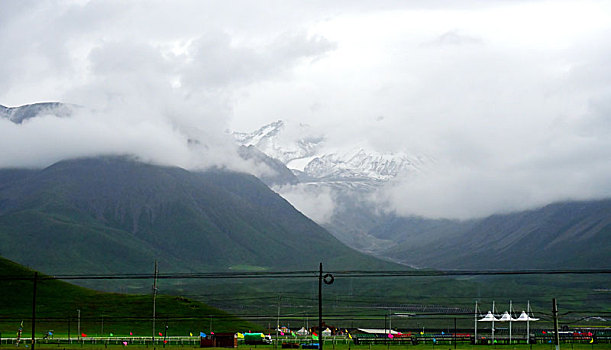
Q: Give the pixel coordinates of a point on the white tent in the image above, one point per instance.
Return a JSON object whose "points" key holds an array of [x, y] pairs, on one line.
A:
{"points": [[326, 332], [524, 317], [506, 317], [489, 318], [302, 331]]}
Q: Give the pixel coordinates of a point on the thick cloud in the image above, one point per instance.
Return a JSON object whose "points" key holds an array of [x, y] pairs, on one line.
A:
{"points": [[317, 203], [159, 90], [510, 98]]}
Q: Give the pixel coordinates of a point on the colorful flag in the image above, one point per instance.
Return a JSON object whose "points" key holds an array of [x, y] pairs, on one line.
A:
{"points": [[83, 335], [112, 335], [160, 334], [125, 343], [349, 336], [202, 334], [314, 336], [130, 333], [190, 334], [592, 341]]}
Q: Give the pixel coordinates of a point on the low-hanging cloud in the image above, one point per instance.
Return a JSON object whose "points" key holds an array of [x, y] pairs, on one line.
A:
{"points": [[314, 201], [514, 116], [164, 98]]}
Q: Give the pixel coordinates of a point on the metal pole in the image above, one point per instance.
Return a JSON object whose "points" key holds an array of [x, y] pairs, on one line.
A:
{"points": [[475, 341], [528, 323], [34, 310], [510, 317], [454, 332], [154, 299], [277, 323], [385, 318], [493, 322], [556, 333], [78, 336], [320, 307]]}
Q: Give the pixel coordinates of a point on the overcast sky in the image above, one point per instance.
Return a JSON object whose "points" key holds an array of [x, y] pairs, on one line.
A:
{"points": [[511, 98]]}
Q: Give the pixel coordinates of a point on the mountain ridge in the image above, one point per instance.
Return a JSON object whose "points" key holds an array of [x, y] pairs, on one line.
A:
{"points": [[192, 221], [559, 235]]}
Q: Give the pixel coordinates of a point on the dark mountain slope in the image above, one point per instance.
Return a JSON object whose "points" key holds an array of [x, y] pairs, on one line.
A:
{"points": [[561, 235], [115, 214]]}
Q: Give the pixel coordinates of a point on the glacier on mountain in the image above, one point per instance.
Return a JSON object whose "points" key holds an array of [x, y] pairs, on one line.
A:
{"points": [[303, 150]]}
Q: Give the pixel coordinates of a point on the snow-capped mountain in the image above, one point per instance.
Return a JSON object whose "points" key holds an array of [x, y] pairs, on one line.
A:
{"points": [[336, 185], [303, 150], [19, 114], [359, 164], [276, 141]]}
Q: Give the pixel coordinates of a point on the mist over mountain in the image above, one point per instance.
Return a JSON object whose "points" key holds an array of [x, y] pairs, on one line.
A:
{"points": [[347, 184], [19, 114]]}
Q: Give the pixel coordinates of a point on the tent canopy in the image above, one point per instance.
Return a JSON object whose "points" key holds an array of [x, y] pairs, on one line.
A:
{"points": [[489, 318], [524, 317], [506, 317]]}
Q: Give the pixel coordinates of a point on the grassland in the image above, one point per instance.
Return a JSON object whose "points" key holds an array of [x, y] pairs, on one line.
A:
{"points": [[330, 346], [62, 307]]}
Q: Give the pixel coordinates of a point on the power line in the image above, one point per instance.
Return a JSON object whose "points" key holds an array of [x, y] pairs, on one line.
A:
{"points": [[313, 274]]}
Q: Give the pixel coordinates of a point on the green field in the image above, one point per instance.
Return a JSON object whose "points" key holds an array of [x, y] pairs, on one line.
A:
{"points": [[61, 307], [330, 346]]}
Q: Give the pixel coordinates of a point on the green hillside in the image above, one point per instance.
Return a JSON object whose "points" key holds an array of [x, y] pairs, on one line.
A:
{"points": [[101, 313], [562, 235], [116, 215]]}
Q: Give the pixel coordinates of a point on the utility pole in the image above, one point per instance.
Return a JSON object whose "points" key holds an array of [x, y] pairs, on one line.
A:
{"points": [[493, 322], [320, 308], [556, 333], [385, 318], [277, 322], [154, 298], [78, 336], [528, 323], [328, 279], [455, 333], [34, 310], [475, 322]]}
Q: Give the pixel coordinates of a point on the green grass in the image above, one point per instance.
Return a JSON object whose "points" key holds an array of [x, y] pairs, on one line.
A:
{"points": [[101, 313], [330, 346]]}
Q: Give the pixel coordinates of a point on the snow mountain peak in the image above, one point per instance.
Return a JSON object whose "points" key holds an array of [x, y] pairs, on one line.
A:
{"points": [[303, 150]]}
